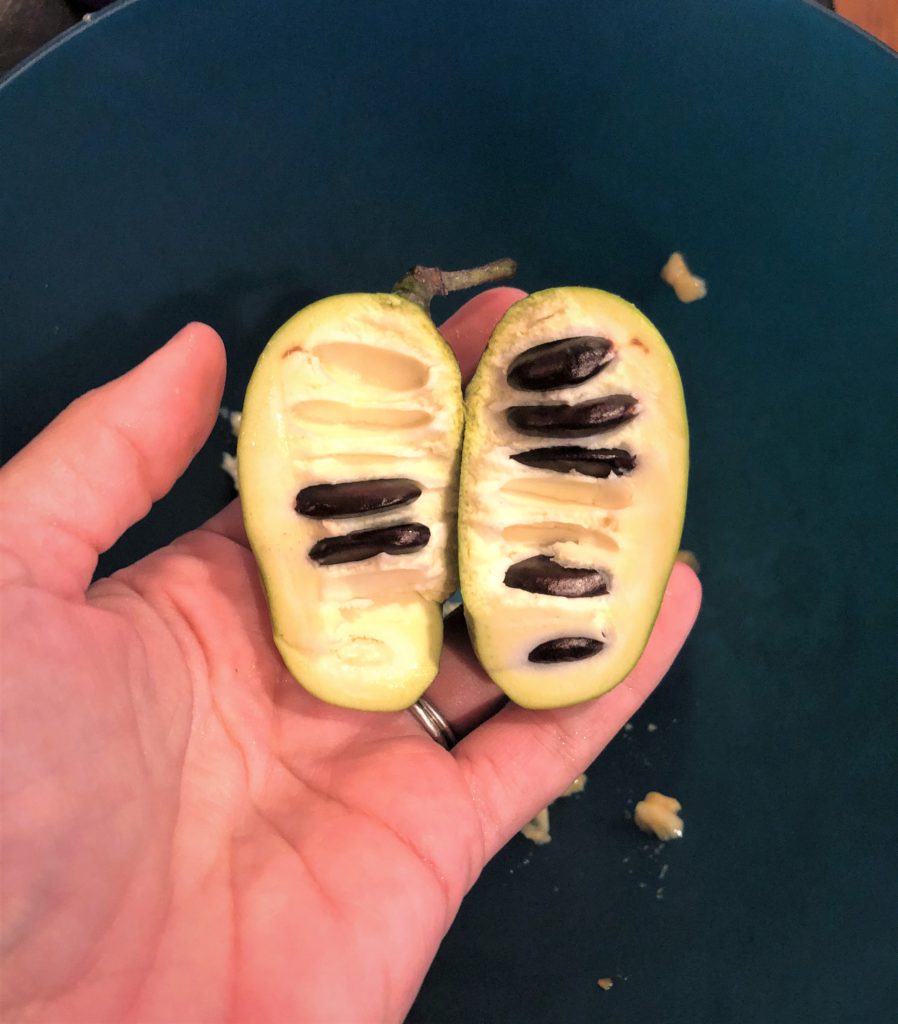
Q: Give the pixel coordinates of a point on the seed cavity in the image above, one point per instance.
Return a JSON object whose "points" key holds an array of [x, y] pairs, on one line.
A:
{"points": [[544, 535], [370, 584], [340, 414], [543, 575], [355, 498], [364, 650], [370, 365], [560, 364], [558, 419], [612, 494], [401, 539], [565, 648], [362, 459], [595, 462]]}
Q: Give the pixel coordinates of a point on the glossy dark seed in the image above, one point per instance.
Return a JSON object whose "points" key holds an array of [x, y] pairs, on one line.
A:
{"points": [[571, 458], [543, 575], [557, 419], [361, 544], [355, 498], [560, 364], [565, 648]]}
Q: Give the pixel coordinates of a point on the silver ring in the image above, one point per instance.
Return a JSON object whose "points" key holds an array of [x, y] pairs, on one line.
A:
{"points": [[433, 722]]}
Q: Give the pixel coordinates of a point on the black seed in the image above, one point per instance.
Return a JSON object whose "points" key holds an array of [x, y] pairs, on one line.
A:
{"points": [[557, 419], [559, 364], [361, 544], [355, 498], [570, 458], [543, 575], [565, 648]]}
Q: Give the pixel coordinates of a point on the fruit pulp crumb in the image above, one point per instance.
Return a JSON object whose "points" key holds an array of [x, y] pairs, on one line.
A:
{"points": [[228, 460], [537, 829], [605, 984], [229, 465], [659, 814], [687, 286], [577, 786]]}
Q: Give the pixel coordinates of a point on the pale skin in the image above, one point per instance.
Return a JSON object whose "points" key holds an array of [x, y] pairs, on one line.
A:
{"points": [[186, 834]]}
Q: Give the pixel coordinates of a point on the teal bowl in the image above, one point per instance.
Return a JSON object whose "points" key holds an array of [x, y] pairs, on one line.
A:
{"points": [[229, 162]]}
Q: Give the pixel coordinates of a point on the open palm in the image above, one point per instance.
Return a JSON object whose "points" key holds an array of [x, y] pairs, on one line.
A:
{"points": [[187, 835]]}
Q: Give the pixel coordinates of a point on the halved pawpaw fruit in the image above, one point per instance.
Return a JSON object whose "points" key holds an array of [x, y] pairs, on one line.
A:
{"points": [[572, 494]]}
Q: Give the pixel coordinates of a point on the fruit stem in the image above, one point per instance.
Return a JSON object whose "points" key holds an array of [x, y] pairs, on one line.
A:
{"points": [[420, 284]]}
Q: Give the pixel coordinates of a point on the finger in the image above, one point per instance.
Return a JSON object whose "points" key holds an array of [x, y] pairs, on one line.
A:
{"points": [[229, 523], [100, 465], [462, 692], [520, 760], [468, 330]]}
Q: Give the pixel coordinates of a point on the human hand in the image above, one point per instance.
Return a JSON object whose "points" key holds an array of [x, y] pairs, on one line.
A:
{"points": [[187, 835]]}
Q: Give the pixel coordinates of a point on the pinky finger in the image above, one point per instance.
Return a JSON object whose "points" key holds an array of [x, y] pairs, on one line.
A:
{"points": [[519, 761]]}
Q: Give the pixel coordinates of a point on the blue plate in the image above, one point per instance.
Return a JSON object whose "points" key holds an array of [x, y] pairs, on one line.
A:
{"points": [[231, 161]]}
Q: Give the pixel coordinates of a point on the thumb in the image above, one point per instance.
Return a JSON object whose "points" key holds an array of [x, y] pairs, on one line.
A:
{"points": [[100, 465]]}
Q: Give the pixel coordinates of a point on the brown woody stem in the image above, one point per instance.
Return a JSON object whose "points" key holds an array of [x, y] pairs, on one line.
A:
{"points": [[420, 284]]}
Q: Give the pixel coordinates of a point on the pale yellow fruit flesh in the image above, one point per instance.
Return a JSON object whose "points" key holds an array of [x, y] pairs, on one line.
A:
{"points": [[629, 526], [354, 387]]}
